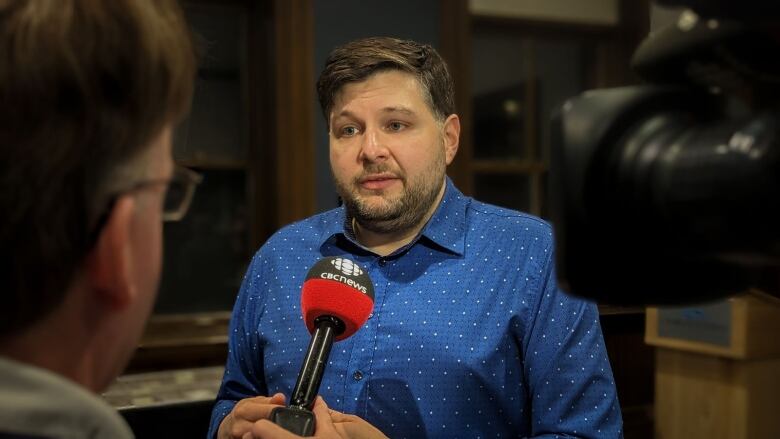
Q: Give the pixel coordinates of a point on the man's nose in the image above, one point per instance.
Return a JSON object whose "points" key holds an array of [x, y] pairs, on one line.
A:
{"points": [[374, 147]]}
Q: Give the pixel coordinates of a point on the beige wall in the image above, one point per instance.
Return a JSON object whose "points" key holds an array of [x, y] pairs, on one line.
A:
{"points": [[576, 11]]}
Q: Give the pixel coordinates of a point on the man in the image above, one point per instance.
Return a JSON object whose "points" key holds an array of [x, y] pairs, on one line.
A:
{"points": [[470, 335], [89, 93]]}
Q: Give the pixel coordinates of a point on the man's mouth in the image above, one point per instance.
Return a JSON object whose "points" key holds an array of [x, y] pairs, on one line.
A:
{"points": [[378, 181]]}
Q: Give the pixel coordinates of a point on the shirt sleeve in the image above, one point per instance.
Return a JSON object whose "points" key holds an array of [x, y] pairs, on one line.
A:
{"points": [[571, 388], [243, 376]]}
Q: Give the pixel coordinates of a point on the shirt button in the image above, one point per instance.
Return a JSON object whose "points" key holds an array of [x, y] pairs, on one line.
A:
{"points": [[357, 375], [382, 262]]}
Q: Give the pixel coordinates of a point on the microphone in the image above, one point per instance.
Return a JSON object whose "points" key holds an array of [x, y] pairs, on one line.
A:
{"points": [[336, 300]]}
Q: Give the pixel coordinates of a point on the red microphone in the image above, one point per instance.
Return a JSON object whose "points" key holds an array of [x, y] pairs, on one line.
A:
{"points": [[336, 300], [339, 288]]}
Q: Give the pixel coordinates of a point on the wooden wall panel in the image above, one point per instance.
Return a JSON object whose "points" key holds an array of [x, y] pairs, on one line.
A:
{"points": [[294, 64]]}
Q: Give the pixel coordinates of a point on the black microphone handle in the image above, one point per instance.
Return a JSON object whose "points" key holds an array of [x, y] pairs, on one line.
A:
{"points": [[313, 367], [298, 417]]}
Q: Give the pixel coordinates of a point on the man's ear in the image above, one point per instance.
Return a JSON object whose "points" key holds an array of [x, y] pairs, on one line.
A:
{"points": [[109, 263], [451, 131]]}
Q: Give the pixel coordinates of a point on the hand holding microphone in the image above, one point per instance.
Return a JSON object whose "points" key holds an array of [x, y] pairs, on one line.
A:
{"points": [[336, 300], [246, 413], [331, 424]]}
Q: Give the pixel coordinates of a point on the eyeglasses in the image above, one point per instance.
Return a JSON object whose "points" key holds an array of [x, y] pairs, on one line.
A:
{"points": [[178, 196], [181, 188]]}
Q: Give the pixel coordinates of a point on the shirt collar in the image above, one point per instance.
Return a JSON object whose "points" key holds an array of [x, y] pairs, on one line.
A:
{"points": [[446, 228]]}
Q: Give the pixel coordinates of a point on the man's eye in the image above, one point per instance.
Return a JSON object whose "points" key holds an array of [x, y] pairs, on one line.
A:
{"points": [[349, 131], [396, 126]]}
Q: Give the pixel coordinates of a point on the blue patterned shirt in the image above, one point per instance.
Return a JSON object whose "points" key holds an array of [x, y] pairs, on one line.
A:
{"points": [[470, 335]]}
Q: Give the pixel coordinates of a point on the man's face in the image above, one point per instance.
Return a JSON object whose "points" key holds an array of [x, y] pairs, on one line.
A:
{"points": [[388, 153], [144, 249], [146, 232]]}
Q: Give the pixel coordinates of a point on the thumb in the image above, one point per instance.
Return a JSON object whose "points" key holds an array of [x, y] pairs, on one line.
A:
{"points": [[324, 424], [277, 398]]}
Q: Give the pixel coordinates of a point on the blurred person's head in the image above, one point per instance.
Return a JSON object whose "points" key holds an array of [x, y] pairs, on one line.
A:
{"points": [[89, 93], [389, 106]]}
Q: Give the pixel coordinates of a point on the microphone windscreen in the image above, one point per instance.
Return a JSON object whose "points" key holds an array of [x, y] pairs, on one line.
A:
{"points": [[337, 286]]}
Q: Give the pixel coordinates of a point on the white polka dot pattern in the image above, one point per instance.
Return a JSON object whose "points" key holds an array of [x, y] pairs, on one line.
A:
{"points": [[470, 336]]}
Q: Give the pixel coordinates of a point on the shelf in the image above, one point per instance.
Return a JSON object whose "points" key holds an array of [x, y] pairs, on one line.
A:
{"points": [[607, 310], [499, 166], [165, 330], [175, 341], [164, 387]]}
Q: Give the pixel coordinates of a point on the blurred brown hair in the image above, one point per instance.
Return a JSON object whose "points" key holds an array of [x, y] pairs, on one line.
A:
{"points": [[85, 85], [359, 59]]}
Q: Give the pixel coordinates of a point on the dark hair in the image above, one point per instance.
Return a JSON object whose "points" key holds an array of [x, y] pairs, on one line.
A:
{"points": [[359, 59], [85, 85]]}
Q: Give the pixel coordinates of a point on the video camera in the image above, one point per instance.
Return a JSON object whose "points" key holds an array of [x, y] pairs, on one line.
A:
{"points": [[669, 192]]}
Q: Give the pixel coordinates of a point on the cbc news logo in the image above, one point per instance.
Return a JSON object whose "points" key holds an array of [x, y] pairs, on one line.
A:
{"points": [[346, 266]]}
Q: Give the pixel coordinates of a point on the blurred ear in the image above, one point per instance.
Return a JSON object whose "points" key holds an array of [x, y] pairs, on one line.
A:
{"points": [[451, 132], [108, 264]]}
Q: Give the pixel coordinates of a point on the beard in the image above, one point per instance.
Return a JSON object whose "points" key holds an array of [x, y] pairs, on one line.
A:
{"points": [[395, 213]]}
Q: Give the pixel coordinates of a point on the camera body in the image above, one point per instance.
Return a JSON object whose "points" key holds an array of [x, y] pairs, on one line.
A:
{"points": [[669, 192]]}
